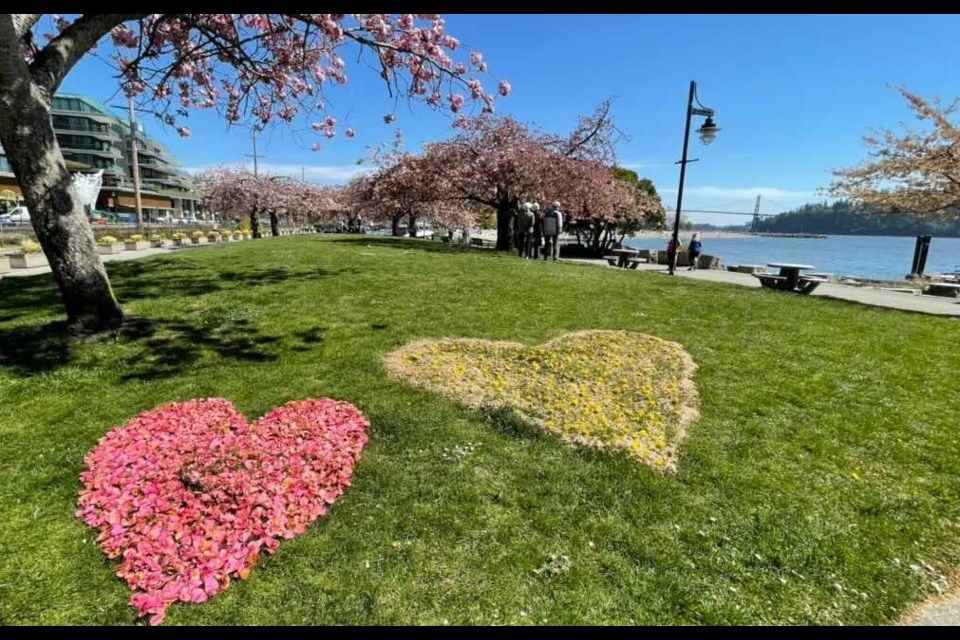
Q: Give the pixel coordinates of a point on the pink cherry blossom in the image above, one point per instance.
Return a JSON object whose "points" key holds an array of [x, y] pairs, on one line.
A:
{"points": [[188, 495]]}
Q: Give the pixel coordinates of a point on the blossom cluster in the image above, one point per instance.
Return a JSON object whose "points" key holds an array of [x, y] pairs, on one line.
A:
{"points": [[190, 494], [606, 389]]}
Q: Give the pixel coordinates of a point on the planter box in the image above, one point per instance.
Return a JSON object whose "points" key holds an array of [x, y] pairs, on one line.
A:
{"points": [[247, 236], [28, 260], [4, 264], [110, 249], [212, 239], [181, 242], [238, 237], [226, 238], [198, 240], [139, 245], [160, 244]]}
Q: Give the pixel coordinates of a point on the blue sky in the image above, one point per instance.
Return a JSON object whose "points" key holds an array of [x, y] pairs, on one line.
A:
{"points": [[793, 96]]}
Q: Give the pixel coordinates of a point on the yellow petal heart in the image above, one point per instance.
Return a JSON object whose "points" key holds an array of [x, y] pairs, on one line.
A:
{"points": [[606, 389]]}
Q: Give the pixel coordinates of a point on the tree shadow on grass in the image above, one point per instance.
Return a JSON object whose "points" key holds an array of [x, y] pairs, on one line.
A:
{"points": [[27, 296], [35, 349], [507, 421], [151, 349], [168, 278], [427, 246], [166, 348]]}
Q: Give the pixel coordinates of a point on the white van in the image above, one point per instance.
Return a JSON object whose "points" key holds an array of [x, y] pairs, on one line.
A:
{"points": [[20, 215]]}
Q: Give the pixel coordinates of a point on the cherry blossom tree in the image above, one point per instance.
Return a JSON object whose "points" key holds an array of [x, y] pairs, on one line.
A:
{"points": [[498, 162], [230, 191], [493, 162], [602, 206], [268, 67], [910, 171]]}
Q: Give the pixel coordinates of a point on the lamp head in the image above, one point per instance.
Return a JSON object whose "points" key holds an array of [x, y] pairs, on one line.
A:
{"points": [[708, 132]]}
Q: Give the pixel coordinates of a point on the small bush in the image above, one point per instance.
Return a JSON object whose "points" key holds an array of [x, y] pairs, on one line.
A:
{"points": [[107, 240], [29, 246], [135, 238]]}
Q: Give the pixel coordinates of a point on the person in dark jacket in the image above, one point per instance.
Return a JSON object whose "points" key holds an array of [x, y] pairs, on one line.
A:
{"points": [[695, 248]]}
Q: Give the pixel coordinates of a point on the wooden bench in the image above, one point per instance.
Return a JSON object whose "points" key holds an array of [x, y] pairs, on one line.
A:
{"points": [[747, 268], [942, 289], [770, 280], [808, 283]]}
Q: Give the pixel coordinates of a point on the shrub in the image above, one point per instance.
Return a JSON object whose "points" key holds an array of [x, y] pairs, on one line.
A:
{"points": [[181, 235], [107, 240], [135, 238], [157, 236], [199, 234], [29, 246]]}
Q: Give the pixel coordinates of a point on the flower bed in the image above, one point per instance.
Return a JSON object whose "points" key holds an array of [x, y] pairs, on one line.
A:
{"points": [[188, 495], [605, 389], [135, 243]]}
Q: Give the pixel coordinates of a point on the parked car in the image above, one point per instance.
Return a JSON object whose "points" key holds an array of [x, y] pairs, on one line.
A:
{"points": [[19, 215], [188, 219]]}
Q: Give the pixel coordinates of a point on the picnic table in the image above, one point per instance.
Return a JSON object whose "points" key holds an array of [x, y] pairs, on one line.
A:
{"points": [[790, 279], [621, 257]]}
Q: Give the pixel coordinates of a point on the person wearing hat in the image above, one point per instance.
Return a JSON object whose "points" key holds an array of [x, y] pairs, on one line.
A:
{"points": [[552, 226], [536, 237], [524, 229]]}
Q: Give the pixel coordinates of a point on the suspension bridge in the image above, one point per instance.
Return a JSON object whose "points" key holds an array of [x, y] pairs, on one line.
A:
{"points": [[726, 209]]}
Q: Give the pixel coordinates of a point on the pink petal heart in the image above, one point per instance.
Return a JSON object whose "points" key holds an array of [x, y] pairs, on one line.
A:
{"points": [[190, 494]]}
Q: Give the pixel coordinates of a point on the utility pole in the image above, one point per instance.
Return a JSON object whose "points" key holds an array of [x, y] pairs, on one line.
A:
{"points": [[256, 156], [135, 161]]}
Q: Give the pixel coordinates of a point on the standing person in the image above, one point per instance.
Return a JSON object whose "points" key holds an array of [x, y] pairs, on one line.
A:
{"points": [[536, 237], [552, 226], [671, 250], [694, 250], [524, 230]]}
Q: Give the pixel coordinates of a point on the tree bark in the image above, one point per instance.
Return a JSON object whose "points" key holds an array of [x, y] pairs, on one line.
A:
{"points": [[56, 213], [395, 225], [255, 225], [504, 234], [412, 225], [274, 224]]}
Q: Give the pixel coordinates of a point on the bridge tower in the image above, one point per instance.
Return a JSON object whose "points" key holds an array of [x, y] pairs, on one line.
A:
{"points": [[755, 225]]}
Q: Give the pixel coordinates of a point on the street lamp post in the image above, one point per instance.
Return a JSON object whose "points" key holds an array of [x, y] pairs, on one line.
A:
{"points": [[708, 131]]}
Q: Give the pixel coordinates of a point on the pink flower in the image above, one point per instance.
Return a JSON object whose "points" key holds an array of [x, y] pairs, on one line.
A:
{"points": [[505, 88], [349, 132], [389, 118], [189, 494]]}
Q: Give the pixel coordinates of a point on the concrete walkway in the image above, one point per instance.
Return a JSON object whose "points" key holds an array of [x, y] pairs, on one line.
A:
{"points": [[872, 296], [941, 613], [116, 257]]}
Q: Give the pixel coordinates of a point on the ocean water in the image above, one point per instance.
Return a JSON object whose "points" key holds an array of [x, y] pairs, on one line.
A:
{"points": [[876, 257]]}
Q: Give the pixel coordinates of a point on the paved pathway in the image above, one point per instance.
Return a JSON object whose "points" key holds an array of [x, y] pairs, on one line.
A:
{"points": [[873, 296], [940, 613], [116, 257]]}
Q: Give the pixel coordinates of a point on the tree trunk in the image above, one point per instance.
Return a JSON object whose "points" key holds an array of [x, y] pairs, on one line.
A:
{"points": [[255, 224], [274, 225], [412, 225], [395, 225], [504, 231], [56, 213]]}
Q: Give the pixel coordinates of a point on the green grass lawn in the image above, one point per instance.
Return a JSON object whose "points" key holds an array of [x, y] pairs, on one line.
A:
{"points": [[819, 486]]}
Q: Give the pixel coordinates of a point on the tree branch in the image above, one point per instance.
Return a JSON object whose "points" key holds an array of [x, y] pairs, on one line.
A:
{"points": [[55, 60], [23, 22]]}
